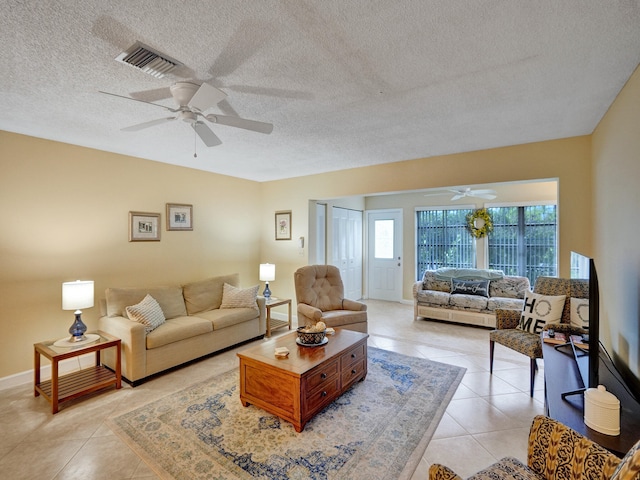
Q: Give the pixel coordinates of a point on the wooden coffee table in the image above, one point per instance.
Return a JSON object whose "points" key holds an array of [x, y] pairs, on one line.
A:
{"points": [[298, 387]]}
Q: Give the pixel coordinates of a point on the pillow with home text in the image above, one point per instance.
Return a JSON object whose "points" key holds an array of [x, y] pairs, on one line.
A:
{"points": [[539, 310], [580, 312]]}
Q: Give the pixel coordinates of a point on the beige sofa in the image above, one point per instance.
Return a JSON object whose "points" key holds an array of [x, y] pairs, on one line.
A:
{"points": [[433, 297], [195, 325]]}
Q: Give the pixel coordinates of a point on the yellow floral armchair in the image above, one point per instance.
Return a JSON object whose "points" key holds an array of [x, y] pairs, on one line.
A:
{"points": [[556, 452]]}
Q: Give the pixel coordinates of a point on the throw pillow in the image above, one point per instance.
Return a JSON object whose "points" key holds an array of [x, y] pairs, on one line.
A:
{"points": [[539, 310], [470, 287], [147, 312], [234, 297], [580, 312]]}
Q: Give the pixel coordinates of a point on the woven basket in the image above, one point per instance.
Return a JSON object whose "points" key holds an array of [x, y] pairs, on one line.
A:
{"points": [[310, 338]]}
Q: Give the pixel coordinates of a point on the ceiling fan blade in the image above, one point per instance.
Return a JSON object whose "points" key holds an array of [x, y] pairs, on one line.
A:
{"points": [[253, 125], [486, 196], [209, 138], [141, 101], [458, 196], [486, 191], [140, 126], [206, 97]]}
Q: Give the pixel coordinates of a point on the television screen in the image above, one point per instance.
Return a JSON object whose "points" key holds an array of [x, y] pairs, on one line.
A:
{"points": [[583, 268]]}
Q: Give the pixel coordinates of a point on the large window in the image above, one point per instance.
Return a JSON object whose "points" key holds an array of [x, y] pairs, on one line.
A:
{"points": [[523, 241], [443, 241]]}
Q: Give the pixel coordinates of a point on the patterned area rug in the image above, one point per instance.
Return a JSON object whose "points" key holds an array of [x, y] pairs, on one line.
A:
{"points": [[378, 429]]}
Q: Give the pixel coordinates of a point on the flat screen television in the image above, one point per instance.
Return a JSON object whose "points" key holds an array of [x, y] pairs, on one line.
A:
{"points": [[583, 267]]}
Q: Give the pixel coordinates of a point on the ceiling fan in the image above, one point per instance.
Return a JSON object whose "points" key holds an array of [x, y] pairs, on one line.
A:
{"points": [[193, 99], [485, 193]]}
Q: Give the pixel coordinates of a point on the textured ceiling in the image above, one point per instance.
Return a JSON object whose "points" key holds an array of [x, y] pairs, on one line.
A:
{"points": [[345, 83]]}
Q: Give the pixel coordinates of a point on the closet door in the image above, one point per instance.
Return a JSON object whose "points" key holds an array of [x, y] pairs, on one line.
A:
{"points": [[347, 249]]}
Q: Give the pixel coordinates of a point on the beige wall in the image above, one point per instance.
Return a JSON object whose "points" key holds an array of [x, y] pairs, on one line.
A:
{"points": [[616, 162], [65, 217], [566, 160], [66, 214]]}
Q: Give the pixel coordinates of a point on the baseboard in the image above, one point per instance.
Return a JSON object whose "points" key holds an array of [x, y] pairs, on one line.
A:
{"points": [[64, 367]]}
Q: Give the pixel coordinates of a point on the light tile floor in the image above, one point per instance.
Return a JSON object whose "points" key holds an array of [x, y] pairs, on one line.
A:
{"points": [[488, 418]]}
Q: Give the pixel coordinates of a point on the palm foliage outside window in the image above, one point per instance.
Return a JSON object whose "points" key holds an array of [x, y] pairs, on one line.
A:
{"points": [[523, 241], [443, 240]]}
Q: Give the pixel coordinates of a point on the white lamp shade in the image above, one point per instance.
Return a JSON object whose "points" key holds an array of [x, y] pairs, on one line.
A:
{"points": [[267, 272], [77, 295]]}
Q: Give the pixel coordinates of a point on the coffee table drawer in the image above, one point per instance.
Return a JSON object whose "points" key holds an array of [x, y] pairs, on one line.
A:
{"points": [[353, 356], [353, 372], [321, 396], [320, 375]]}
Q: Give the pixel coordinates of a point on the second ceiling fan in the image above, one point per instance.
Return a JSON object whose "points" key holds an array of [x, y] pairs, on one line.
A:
{"points": [[192, 100]]}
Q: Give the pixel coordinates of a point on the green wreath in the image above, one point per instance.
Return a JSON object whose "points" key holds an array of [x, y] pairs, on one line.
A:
{"points": [[487, 226]]}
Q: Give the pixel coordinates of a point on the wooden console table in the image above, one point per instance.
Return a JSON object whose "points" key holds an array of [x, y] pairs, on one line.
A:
{"points": [[561, 375]]}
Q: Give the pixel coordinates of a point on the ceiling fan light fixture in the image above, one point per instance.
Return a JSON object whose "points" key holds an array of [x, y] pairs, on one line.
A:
{"points": [[148, 60]]}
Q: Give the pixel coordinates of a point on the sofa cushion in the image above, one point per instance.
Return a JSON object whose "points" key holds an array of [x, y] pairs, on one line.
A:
{"points": [[206, 295], [234, 297], [177, 329], [470, 287], [434, 297], [472, 302], [502, 303], [222, 318], [509, 287], [147, 312], [170, 299], [430, 282], [539, 310], [345, 317]]}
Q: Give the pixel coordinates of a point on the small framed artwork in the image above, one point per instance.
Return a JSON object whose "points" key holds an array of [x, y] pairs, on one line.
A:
{"points": [[144, 227], [283, 225], [179, 216]]}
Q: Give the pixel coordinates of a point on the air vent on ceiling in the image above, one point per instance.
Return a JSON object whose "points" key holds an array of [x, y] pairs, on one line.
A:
{"points": [[148, 60]]}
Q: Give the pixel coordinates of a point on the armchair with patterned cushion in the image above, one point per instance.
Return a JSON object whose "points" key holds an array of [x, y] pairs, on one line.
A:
{"points": [[555, 452], [530, 344], [320, 297]]}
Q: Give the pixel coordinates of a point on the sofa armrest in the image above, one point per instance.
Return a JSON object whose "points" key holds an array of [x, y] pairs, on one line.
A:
{"points": [[417, 287], [308, 314], [353, 305], [134, 346], [440, 472], [554, 447], [262, 302], [507, 318]]}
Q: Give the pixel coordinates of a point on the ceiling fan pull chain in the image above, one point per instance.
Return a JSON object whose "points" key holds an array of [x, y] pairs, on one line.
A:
{"points": [[195, 145]]}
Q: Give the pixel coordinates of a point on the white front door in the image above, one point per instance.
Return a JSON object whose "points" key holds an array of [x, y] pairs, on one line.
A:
{"points": [[384, 245]]}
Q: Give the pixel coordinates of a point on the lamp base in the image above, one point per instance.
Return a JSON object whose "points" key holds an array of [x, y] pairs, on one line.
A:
{"points": [[267, 293], [78, 328]]}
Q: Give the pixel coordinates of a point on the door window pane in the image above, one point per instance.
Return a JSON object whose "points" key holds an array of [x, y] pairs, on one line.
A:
{"points": [[383, 239]]}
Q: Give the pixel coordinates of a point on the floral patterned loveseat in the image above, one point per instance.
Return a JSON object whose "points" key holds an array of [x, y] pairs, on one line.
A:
{"points": [[472, 302]]}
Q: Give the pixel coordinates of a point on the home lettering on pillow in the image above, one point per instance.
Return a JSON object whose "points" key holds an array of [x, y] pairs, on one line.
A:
{"points": [[539, 310]]}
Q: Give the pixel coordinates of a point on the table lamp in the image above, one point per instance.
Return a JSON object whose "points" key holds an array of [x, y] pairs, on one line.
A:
{"points": [[75, 296], [267, 274]]}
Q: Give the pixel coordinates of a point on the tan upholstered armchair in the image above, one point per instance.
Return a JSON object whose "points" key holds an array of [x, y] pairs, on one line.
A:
{"points": [[529, 344], [556, 452], [320, 296]]}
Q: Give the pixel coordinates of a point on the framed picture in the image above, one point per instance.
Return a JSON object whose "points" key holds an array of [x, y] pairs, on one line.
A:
{"points": [[179, 216], [283, 225], [144, 227]]}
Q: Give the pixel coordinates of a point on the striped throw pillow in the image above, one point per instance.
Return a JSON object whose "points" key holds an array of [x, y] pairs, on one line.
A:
{"points": [[234, 297], [147, 312]]}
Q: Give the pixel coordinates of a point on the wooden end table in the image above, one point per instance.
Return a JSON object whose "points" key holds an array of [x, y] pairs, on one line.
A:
{"points": [[273, 324], [82, 382]]}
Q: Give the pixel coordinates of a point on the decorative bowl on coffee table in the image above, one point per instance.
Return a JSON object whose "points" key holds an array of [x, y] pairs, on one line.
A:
{"points": [[310, 338]]}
